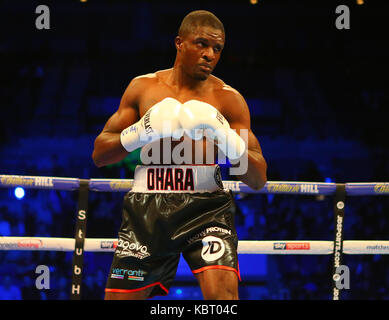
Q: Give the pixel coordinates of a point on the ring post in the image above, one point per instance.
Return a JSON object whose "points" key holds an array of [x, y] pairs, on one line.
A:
{"points": [[339, 200], [78, 254]]}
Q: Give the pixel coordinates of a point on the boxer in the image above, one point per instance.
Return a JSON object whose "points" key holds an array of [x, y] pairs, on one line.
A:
{"points": [[180, 206]]}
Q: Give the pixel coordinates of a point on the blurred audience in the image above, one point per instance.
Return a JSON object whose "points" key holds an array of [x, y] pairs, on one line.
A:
{"points": [[58, 96]]}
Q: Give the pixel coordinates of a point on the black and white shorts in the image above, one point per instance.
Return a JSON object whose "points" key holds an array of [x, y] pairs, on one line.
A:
{"points": [[173, 210]]}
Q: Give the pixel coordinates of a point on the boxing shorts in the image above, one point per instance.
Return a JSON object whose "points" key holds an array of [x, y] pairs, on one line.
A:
{"points": [[173, 210]]}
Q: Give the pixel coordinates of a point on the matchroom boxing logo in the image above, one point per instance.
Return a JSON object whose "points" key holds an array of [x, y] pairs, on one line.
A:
{"points": [[213, 248]]}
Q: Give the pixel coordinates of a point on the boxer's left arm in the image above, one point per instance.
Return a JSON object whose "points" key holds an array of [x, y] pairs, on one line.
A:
{"points": [[236, 111]]}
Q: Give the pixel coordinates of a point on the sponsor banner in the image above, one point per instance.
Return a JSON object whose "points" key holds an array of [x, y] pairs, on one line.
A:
{"points": [[30, 243], [108, 244], [80, 232], [339, 205], [381, 188], [135, 278], [366, 247], [40, 182], [124, 185], [36, 243], [21, 244], [131, 249], [299, 188], [244, 247], [213, 248], [8, 246], [378, 247], [133, 275], [234, 186], [359, 189], [291, 246], [108, 185], [204, 233]]}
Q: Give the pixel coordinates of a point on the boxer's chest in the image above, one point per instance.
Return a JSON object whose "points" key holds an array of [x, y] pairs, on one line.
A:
{"points": [[159, 92], [199, 152]]}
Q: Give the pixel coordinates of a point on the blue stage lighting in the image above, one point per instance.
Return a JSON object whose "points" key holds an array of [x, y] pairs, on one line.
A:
{"points": [[19, 193]]}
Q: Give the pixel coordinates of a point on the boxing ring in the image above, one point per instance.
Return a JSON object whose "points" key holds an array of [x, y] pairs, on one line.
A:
{"points": [[79, 244]]}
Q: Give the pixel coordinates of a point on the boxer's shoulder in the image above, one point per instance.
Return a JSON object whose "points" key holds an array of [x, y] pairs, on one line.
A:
{"points": [[227, 95], [142, 83], [154, 78], [230, 101], [229, 91], [135, 90], [222, 88], [147, 78]]}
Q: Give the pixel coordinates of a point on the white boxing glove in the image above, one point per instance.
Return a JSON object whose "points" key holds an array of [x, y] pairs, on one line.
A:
{"points": [[160, 121], [195, 115]]}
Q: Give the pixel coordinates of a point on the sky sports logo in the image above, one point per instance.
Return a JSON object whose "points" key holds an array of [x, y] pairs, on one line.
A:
{"points": [[108, 244], [291, 246]]}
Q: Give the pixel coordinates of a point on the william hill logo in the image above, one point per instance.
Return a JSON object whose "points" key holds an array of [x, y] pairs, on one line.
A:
{"points": [[381, 188], [282, 187], [17, 180], [120, 185], [27, 181], [291, 246], [292, 188], [309, 188]]}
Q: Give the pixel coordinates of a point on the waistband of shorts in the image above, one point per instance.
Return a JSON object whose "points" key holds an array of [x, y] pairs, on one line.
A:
{"points": [[177, 178]]}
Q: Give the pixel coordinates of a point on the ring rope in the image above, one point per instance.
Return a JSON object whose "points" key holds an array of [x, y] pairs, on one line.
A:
{"points": [[124, 185], [337, 247], [244, 246]]}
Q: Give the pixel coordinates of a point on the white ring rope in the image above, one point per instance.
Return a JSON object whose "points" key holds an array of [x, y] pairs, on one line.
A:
{"points": [[306, 247]]}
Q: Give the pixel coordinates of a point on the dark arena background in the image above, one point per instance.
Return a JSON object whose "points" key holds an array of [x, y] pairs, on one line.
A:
{"points": [[318, 97]]}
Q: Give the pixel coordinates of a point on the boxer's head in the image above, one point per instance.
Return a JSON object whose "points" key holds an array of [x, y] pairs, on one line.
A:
{"points": [[199, 43]]}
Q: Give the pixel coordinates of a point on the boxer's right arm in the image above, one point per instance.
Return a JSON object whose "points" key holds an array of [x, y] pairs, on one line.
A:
{"points": [[108, 148]]}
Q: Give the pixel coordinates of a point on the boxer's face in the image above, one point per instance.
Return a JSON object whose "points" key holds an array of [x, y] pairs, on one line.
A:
{"points": [[200, 51]]}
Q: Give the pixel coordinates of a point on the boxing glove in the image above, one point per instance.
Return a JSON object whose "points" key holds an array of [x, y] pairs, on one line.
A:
{"points": [[196, 116], [160, 121]]}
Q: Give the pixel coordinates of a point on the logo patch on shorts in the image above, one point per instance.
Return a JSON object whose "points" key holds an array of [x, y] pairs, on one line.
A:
{"points": [[213, 248], [137, 275], [218, 177], [131, 249]]}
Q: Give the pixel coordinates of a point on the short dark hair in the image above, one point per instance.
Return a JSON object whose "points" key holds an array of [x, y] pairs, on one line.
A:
{"points": [[199, 18]]}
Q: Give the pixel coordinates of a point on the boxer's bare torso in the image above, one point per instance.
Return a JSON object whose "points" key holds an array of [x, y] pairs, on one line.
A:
{"points": [[157, 87], [147, 90]]}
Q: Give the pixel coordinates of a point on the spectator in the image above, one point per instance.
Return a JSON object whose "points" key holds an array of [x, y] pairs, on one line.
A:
{"points": [[9, 291]]}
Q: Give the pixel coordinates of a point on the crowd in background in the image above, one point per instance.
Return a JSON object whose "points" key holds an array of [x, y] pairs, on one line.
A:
{"points": [[301, 83]]}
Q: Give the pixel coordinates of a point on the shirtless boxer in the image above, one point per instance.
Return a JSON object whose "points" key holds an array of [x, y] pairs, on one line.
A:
{"points": [[173, 207]]}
